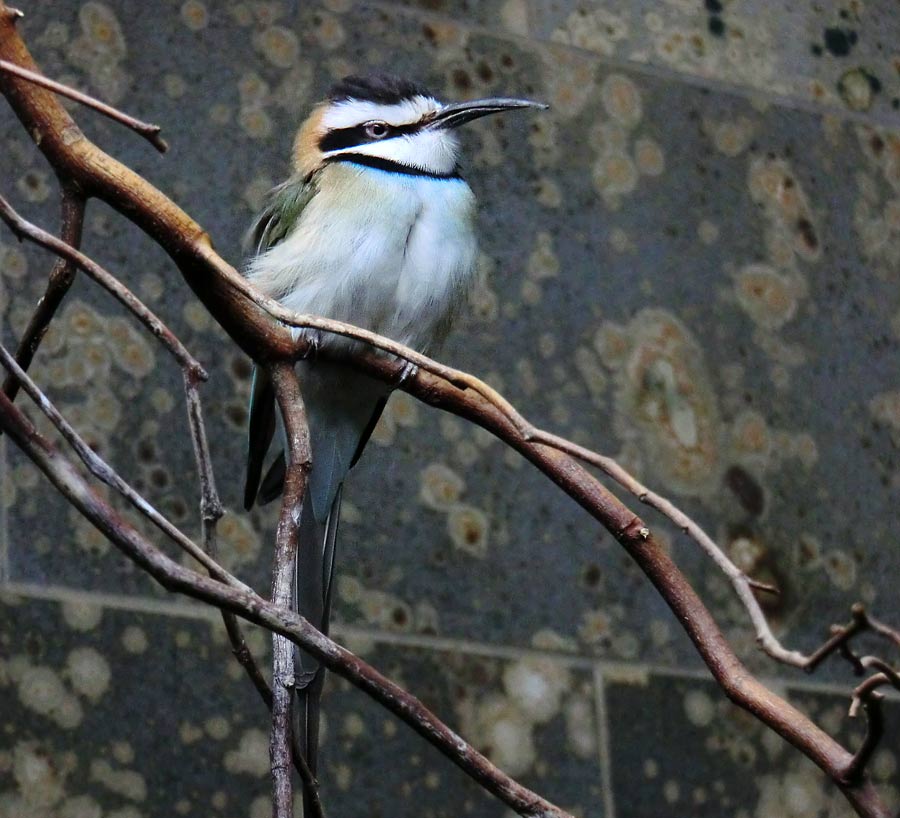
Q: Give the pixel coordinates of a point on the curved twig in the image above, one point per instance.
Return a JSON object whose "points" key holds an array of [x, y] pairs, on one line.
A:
{"points": [[72, 206], [144, 129]]}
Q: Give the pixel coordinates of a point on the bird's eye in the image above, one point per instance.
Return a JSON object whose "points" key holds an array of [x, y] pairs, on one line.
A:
{"points": [[377, 130]]}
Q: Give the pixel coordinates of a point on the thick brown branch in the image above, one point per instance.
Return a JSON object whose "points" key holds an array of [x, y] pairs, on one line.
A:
{"points": [[248, 605], [61, 277], [144, 129]]}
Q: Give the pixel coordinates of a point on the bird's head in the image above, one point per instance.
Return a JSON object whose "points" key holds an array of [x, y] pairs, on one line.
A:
{"points": [[391, 119]]}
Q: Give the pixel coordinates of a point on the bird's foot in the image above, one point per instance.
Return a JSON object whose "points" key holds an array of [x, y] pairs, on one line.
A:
{"points": [[409, 370], [313, 339]]}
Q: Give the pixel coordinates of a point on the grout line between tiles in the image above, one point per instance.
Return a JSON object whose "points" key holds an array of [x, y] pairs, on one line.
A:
{"points": [[748, 92], [612, 670], [604, 747]]}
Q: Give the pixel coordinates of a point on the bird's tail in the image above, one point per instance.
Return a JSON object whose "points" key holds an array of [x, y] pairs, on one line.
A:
{"points": [[312, 599]]}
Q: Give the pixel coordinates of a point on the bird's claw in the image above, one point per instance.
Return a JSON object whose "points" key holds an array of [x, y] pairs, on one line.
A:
{"points": [[409, 370], [313, 339]]}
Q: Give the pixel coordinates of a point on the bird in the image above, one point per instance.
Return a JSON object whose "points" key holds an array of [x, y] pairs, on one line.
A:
{"points": [[375, 226]]}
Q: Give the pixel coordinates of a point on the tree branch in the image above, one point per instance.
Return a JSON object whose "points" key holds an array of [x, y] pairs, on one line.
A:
{"points": [[144, 129], [211, 511], [287, 541], [62, 274]]}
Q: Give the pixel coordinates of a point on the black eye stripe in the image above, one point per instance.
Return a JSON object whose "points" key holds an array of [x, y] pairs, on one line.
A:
{"points": [[351, 137]]}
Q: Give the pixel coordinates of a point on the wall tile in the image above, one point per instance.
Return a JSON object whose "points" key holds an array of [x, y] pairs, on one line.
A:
{"points": [[117, 710]]}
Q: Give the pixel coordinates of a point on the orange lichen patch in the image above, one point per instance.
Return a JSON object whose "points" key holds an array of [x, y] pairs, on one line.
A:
{"points": [[444, 34], [440, 487], [598, 30], [622, 100], [773, 184], [767, 297], [731, 136], [240, 542], [307, 154], [616, 173], [665, 399], [195, 15], [750, 436], [885, 408], [648, 157], [468, 528], [877, 212], [278, 45], [330, 32], [612, 344], [100, 25], [570, 81]]}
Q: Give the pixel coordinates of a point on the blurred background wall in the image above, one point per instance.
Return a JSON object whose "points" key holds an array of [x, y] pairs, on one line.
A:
{"points": [[690, 262]]}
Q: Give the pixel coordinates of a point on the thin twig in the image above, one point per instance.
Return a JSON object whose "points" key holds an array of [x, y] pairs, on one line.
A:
{"points": [[871, 703], [886, 675], [838, 641], [742, 584], [62, 274], [144, 129], [884, 630], [107, 475], [250, 606], [24, 229]]}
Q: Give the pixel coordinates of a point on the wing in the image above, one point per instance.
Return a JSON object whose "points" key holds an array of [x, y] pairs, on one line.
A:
{"points": [[283, 208]]}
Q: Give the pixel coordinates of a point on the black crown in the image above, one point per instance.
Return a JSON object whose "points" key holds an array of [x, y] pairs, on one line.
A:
{"points": [[385, 89]]}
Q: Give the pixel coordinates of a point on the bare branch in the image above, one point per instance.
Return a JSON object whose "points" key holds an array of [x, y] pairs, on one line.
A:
{"points": [[61, 277], [886, 676], [871, 702], [287, 541], [144, 129]]}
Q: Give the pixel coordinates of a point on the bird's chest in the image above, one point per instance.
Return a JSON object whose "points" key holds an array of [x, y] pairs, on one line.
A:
{"points": [[387, 251]]}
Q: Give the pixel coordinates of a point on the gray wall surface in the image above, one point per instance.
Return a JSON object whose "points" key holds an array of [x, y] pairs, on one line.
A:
{"points": [[691, 262]]}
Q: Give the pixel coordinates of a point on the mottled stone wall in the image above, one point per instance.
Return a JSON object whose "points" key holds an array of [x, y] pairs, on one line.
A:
{"points": [[690, 262]]}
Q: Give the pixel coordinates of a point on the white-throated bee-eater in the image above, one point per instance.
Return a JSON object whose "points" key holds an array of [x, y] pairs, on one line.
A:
{"points": [[375, 227]]}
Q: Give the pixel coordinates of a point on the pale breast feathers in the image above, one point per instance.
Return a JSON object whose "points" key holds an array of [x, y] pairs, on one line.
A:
{"points": [[390, 252]]}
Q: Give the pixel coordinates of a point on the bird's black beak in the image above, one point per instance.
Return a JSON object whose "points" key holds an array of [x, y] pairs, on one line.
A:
{"points": [[458, 113]]}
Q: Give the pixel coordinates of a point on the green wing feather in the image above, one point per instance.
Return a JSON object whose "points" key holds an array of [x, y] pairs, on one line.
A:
{"points": [[284, 206]]}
